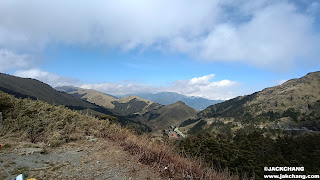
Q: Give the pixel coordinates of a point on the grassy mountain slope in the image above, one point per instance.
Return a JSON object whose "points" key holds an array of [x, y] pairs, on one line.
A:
{"points": [[94, 97], [165, 116], [295, 103], [121, 106], [34, 89], [133, 104], [38, 121]]}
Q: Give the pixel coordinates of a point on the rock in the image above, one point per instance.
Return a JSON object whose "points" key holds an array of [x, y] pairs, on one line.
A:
{"points": [[26, 151], [79, 150], [41, 145], [93, 140], [89, 137]]}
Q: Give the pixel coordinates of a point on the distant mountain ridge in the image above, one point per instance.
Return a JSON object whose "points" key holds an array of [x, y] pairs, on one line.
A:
{"points": [[167, 98]]}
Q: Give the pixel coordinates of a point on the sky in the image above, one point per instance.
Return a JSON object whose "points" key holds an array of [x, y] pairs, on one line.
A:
{"points": [[216, 49]]}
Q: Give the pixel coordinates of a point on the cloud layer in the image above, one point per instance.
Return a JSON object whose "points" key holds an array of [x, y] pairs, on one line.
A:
{"points": [[47, 77], [271, 38], [263, 33], [10, 60], [198, 86]]}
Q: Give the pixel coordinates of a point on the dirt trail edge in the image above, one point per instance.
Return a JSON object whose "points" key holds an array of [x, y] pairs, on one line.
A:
{"points": [[76, 160]]}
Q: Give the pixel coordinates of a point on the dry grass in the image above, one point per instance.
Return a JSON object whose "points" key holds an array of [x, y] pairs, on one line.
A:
{"points": [[38, 121], [162, 156]]}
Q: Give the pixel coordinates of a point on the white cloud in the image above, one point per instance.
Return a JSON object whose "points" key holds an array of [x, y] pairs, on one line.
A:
{"points": [[198, 86], [270, 33], [273, 38], [10, 60], [204, 87], [123, 23], [50, 78], [281, 81], [121, 88], [201, 80]]}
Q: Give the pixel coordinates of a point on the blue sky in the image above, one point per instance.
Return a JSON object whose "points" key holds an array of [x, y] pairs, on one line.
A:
{"points": [[213, 49]]}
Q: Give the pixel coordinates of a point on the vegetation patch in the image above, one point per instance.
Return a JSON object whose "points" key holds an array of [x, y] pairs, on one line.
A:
{"points": [[248, 150], [198, 127], [188, 122]]}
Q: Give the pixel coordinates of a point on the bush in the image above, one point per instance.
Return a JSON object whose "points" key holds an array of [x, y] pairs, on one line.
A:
{"points": [[249, 151], [291, 113], [39, 121]]}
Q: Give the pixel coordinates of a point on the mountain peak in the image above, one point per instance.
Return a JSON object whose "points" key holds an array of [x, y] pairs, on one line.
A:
{"points": [[180, 102]]}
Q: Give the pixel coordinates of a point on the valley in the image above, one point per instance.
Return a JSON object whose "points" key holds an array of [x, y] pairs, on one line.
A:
{"points": [[227, 134]]}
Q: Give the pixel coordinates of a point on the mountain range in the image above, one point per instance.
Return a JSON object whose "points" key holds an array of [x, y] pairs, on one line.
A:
{"points": [[243, 134], [120, 106], [161, 118], [154, 115], [295, 104], [34, 89], [167, 98]]}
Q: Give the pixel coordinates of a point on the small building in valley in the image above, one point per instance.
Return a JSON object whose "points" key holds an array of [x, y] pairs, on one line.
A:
{"points": [[174, 132]]}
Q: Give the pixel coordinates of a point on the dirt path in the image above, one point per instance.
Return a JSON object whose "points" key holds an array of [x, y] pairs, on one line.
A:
{"points": [[78, 160]]}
